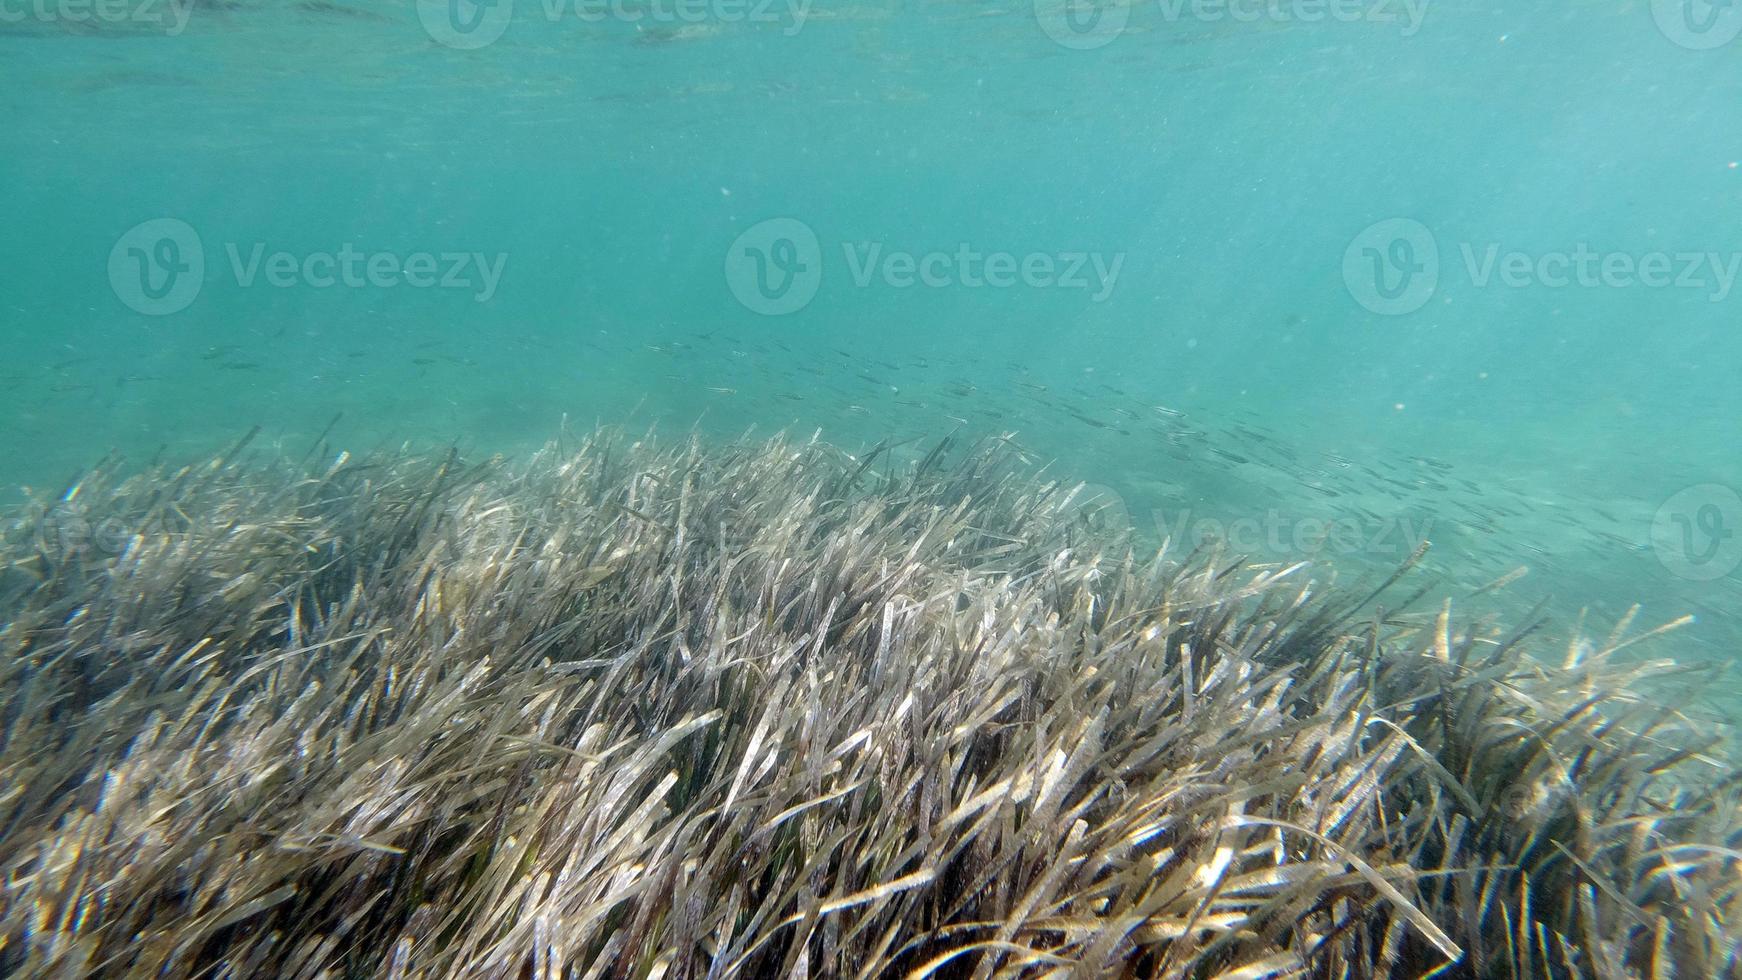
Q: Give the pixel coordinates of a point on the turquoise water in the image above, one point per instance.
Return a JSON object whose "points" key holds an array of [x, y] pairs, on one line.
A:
{"points": [[599, 174]]}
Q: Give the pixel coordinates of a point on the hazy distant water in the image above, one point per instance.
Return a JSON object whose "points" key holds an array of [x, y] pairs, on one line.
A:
{"points": [[610, 166]]}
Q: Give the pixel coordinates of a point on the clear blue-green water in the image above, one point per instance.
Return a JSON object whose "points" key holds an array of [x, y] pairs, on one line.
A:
{"points": [[1577, 414]]}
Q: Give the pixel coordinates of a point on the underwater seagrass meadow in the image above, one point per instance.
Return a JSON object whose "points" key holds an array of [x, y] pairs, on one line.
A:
{"points": [[870, 488]]}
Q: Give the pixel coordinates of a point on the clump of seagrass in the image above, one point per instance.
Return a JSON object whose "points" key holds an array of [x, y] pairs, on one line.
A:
{"points": [[763, 710]]}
